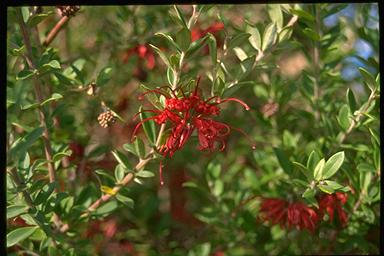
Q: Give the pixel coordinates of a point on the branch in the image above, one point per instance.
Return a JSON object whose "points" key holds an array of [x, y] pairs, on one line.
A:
{"points": [[56, 29], [21, 188], [356, 120], [241, 204], [42, 116], [316, 65]]}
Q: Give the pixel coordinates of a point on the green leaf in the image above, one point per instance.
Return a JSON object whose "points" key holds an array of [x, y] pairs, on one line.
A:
{"points": [[238, 40], [255, 38], [145, 174], [240, 53], [218, 187], [122, 159], [318, 172], [161, 54], [313, 159], [343, 117], [24, 74], [53, 64], [183, 39], [22, 145], [104, 173], [190, 184], [169, 39], [30, 106], [25, 13], [214, 170], [304, 170], [125, 200], [37, 18], [309, 195], [303, 14], [247, 66], [45, 193], [326, 189], [148, 127], [170, 76], [196, 45], [283, 160], [60, 155], [16, 210], [54, 97], [24, 161], [351, 100], [180, 17], [311, 34], [285, 34], [131, 147], [269, 36], [333, 164], [212, 48], [104, 76], [106, 208], [119, 172], [276, 15], [334, 185], [368, 79], [18, 235]]}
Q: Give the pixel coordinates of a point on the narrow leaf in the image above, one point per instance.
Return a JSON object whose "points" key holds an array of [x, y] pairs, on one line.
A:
{"points": [[18, 235], [318, 172]]}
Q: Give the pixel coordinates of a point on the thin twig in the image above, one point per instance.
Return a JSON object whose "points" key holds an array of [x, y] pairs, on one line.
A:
{"points": [[356, 120], [55, 30], [241, 205], [39, 97], [316, 66]]}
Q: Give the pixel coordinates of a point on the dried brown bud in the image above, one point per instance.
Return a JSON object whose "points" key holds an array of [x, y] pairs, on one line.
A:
{"points": [[269, 108], [68, 10], [106, 118]]}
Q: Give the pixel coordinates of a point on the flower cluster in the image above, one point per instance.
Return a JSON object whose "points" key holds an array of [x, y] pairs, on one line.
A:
{"points": [[330, 203], [145, 55], [198, 32], [187, 113], [299, 215]]}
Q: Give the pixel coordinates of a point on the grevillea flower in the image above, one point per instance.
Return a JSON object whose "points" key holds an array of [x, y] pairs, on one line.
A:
{"points": [[330, 203], [197, 33], [144, 52], [287, 215], [185, 114]]}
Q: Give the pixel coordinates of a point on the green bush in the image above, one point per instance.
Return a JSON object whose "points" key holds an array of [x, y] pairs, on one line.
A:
{"points": [[257, 124]]}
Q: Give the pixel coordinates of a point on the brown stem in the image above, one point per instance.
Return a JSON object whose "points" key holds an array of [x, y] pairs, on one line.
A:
{"points": [[42, 116], [20, 185], [39, 97], [55, 30], [241, 204], [124, 182]]}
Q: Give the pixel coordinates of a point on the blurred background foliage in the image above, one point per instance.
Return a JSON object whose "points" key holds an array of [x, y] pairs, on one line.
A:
{"points": [[308, 72]]}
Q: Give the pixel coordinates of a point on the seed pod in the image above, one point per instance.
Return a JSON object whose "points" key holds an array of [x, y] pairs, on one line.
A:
{"points": [[106, 118], [68, 10]]}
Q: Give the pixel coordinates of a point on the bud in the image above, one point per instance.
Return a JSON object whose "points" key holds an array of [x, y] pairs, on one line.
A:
{"points": [[68, 10], [106, 118]]}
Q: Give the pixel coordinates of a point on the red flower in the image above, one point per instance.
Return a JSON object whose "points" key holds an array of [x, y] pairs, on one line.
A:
{"points": [[197, 33], [330, 203], [286, 214], [187, 113], [144, 52]]}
